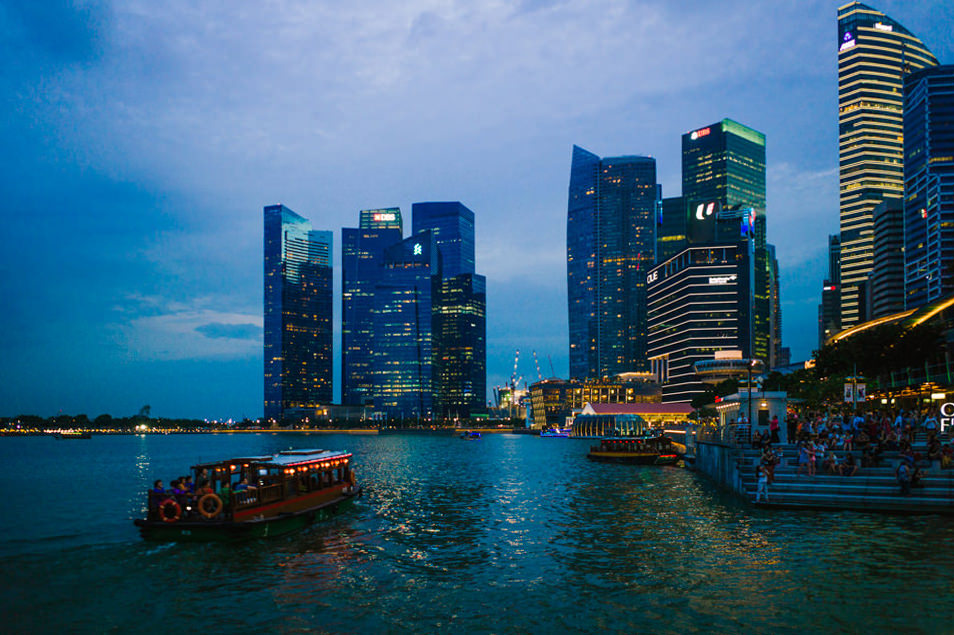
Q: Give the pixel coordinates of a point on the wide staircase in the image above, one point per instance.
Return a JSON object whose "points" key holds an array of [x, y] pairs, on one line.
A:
{"points": [[871, 488]]}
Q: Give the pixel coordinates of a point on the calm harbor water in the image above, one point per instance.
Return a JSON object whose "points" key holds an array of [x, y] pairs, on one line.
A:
{"points": [[508, 534]]}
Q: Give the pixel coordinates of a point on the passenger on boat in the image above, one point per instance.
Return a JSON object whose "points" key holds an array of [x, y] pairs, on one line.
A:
{"points": [[225, 493], [204, 488], [188, 485], [156, 496], [242, 485]]}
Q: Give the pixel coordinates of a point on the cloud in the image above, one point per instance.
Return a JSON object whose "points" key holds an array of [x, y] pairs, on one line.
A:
{"points": [[159, 329], [218, 330]]}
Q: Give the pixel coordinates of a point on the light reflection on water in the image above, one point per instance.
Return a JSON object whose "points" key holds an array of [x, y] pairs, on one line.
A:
{"points": [[507, 534]]}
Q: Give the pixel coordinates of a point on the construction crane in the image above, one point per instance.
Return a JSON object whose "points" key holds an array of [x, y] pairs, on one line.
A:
{"points": [[552, 372], [537, 364], [514, 382]]}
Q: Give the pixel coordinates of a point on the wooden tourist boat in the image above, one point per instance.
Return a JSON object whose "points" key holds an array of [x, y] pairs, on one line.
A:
{"points": [[554, 433], [285, 492], [640, 450]]}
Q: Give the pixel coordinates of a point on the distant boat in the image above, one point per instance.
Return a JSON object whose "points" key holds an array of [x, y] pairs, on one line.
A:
{"points": [[555, 432], [72, 435], [473, 435]]}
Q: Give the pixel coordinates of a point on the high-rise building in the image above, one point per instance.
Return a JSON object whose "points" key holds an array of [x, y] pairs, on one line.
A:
{"points": [[460, 305], [724, 163], [611, 244], [671, 227], [874, 54], [362, 267], [699, 303], [403, 327], [460, 334], [298, 314], [886, 280], [452, 225], [427, 346], [928, 185], [829, 311]]}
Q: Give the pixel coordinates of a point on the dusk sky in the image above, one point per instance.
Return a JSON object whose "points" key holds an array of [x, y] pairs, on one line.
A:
{"points": [[142, 139]]}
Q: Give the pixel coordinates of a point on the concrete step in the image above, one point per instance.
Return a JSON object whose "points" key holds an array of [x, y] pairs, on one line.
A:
{"points": [[889, 502], [841, 491]]}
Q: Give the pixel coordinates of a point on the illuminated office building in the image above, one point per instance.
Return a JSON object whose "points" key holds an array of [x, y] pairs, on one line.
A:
{"points": [[428, 319], [928, 186], [298, 314], [403, 328], [452, 225], [829, 311], [362, 267], [724, 163], [699, 303], [611, 244], [671, 223], [886, 280], [874, 54], [460, 334]]}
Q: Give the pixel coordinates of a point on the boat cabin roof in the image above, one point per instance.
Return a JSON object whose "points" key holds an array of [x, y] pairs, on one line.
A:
{"points": [[282, 459]]}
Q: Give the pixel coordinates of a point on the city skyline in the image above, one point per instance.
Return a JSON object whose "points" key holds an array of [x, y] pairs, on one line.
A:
{"points": [[147, 140]]}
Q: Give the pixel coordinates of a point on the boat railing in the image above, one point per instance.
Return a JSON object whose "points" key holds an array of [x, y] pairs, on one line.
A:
{"points": [[258, 495]]}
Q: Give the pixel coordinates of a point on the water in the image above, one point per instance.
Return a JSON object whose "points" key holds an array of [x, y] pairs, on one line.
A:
{"points": [[508, 534]]}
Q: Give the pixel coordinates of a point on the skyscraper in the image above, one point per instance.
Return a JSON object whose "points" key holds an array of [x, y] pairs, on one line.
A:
{"points": [[298, 314], [460, 334], [403, 327], [671, 227], [452, 225], [362, 267], [611, 217], [928, 185], [459, 305], [874, 54], [886, 280], [724, 163], [829, 311]]}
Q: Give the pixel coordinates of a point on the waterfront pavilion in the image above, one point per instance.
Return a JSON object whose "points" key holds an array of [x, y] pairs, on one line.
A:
{"points": [[605, 419]]}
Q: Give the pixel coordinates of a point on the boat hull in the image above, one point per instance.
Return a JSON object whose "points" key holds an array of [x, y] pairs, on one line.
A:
{"points": [[225, 530], [633, 458]]}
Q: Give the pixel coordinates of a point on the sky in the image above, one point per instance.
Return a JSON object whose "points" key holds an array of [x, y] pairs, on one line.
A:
{"points": [[141, 140]]}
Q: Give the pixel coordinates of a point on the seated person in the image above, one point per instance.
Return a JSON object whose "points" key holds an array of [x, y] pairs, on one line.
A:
{"points": [[204, 488], [934, 450], [947, 456], [242, 485], [849, 467], [831, 462]]}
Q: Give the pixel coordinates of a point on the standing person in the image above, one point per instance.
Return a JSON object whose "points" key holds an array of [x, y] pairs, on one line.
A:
{"points": [[774, 428], [762, 485], [904, 477]]}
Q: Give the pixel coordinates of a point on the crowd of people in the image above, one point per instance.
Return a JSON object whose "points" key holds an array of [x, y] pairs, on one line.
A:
{"points": [[187, 493], [829, 442]]}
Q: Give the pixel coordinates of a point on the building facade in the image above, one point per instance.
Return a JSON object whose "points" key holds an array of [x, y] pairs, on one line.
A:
{"points": [[460, 331], [928, 186], [611, 243], [452, 225], [403, 328], [362, 268], [700, 302], [671, 227], [297, 314], [829, 311], [886, 281], [874, 54], [724, 163]]}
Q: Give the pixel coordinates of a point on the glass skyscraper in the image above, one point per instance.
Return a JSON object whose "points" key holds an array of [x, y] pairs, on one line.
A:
{"points": [[874, 54], [460, 333], [453, 227], [298, 314], [724, 163], [416, 334], [610, 247], [362, 267], [928, 185], [403, 327]]}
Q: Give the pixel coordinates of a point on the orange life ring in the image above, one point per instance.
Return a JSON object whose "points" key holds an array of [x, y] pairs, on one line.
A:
{"points": [[216, 502], [164, 505]]}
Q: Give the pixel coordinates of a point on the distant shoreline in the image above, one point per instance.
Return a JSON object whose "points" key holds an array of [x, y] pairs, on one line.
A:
{"points": [[325, 431]]}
